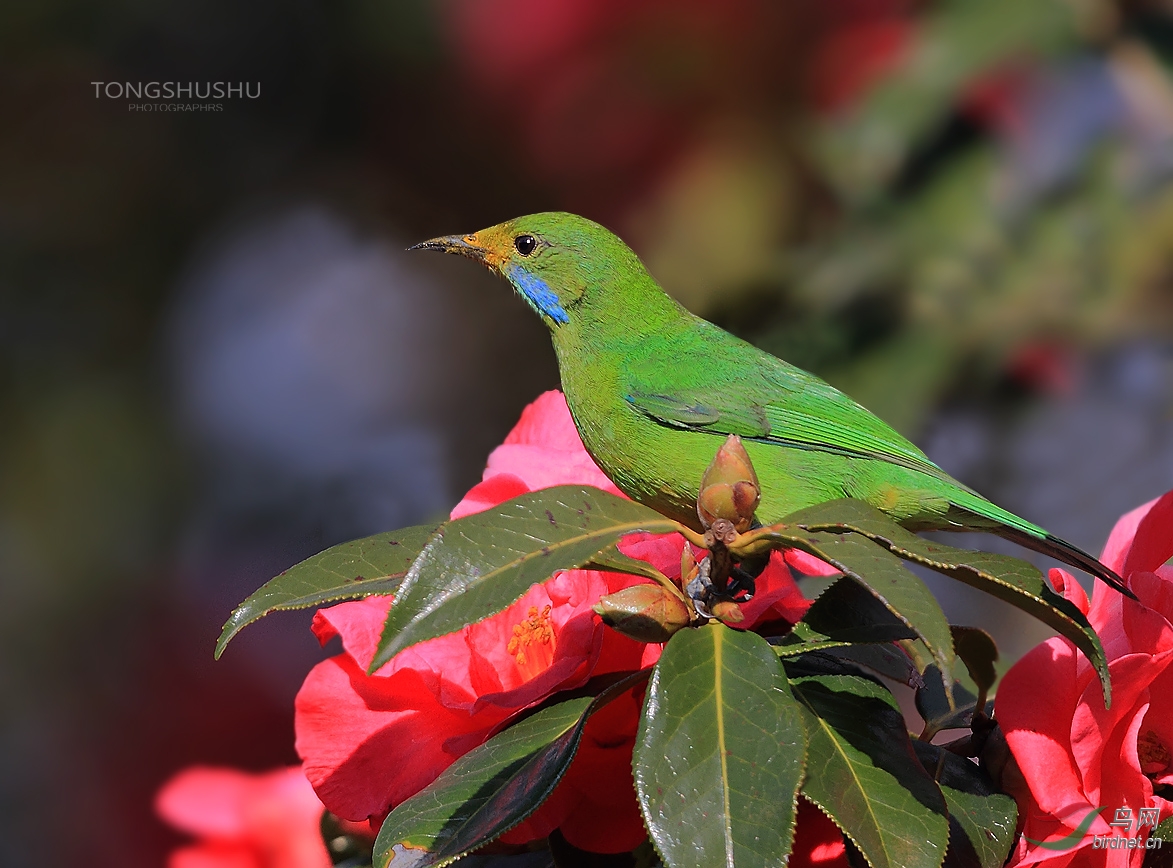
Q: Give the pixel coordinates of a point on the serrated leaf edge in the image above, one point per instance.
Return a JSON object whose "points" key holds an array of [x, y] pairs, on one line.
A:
{"points": [[1048, 597], [387, 648], [818, 805], [304, 601]]}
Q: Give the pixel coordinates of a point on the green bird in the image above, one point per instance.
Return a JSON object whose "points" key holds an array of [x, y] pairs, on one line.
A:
{"points": [[654, 390]]}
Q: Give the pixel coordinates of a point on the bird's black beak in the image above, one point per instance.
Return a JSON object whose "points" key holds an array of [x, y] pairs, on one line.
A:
{"points": [[463, 246]]}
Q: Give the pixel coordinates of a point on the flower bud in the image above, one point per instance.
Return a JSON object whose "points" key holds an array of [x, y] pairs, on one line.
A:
{"points": [[646, 613], [723, 531], [729, 487], [688, 567], [727, 612]]}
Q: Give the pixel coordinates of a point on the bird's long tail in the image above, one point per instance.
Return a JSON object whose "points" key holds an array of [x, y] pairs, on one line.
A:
{"points": [[1021, 532], [1061, 550]]}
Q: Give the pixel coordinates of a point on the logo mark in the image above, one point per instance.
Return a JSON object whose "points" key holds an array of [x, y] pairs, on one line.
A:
{"points": [[1072, 840], [1148, 817]]}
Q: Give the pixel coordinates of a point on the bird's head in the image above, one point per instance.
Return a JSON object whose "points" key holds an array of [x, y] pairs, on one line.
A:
{"points": [[561, 264]]}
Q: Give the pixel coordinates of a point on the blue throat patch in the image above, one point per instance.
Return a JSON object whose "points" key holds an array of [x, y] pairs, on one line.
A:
{"points": [[538, 293]]}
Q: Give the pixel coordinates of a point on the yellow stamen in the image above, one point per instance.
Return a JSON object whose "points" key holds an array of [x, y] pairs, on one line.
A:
{"points": [[533, 642]]}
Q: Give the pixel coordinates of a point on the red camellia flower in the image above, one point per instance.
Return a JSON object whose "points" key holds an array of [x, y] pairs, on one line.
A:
{"points": [[371, 741], [269, 820], [1075, 756]]}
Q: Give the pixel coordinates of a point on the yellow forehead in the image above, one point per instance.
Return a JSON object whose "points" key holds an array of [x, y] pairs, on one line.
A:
{"points": [[496, 242]]}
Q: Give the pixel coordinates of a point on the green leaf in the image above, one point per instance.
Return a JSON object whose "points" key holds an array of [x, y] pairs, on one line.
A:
{"points": [[464, 808], [883, 659], [917, 653], [360, 568], [849, 612], [1161, 858], [904, 594], [819, 663], [845, 614], [942, 710], [720, 752], [978, 652], [865, 775], [476, 566], [981, 819], [848, 623], [803, 640], [491, 788], [1009, 579], [617, 562], [873, 651]]}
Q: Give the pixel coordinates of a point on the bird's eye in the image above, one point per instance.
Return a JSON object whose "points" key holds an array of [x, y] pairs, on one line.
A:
{"points": [[525, 244]]}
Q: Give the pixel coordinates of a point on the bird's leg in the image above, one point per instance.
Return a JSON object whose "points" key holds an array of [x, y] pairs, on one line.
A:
{"points": [[744, 576], [743, 581]]}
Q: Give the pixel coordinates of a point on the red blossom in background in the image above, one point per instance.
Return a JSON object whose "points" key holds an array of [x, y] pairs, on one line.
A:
{"points": [[371, 741], [1074, 755], [609, 98], [854, 57], [608, 87], [243, 820]]}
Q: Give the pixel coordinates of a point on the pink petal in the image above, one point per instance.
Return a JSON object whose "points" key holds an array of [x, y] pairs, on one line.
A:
{"points": [[808, 564], [1142, 539], [268, 820], [217, 856], [370, 742], [358, 622], [441, 697], [1042, 827], [494, 490], [777, 597], [444, 662], [542, 450], [205, 801], [546, 422], [1159, 720], [1093, 727], [1067, 585], [662, 551], [1037, 725], [540, 467], [1126, 626], [1155, 590]]}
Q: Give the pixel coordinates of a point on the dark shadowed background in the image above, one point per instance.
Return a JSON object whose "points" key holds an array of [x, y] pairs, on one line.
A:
{"points": [[216, 357]]}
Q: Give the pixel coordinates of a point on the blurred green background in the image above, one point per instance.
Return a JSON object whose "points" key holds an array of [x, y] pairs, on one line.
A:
{"points": [[217, 359]]}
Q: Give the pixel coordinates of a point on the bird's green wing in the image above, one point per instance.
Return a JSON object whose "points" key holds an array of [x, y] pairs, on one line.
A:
{"points": [[735, 388], [719, 384]]}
